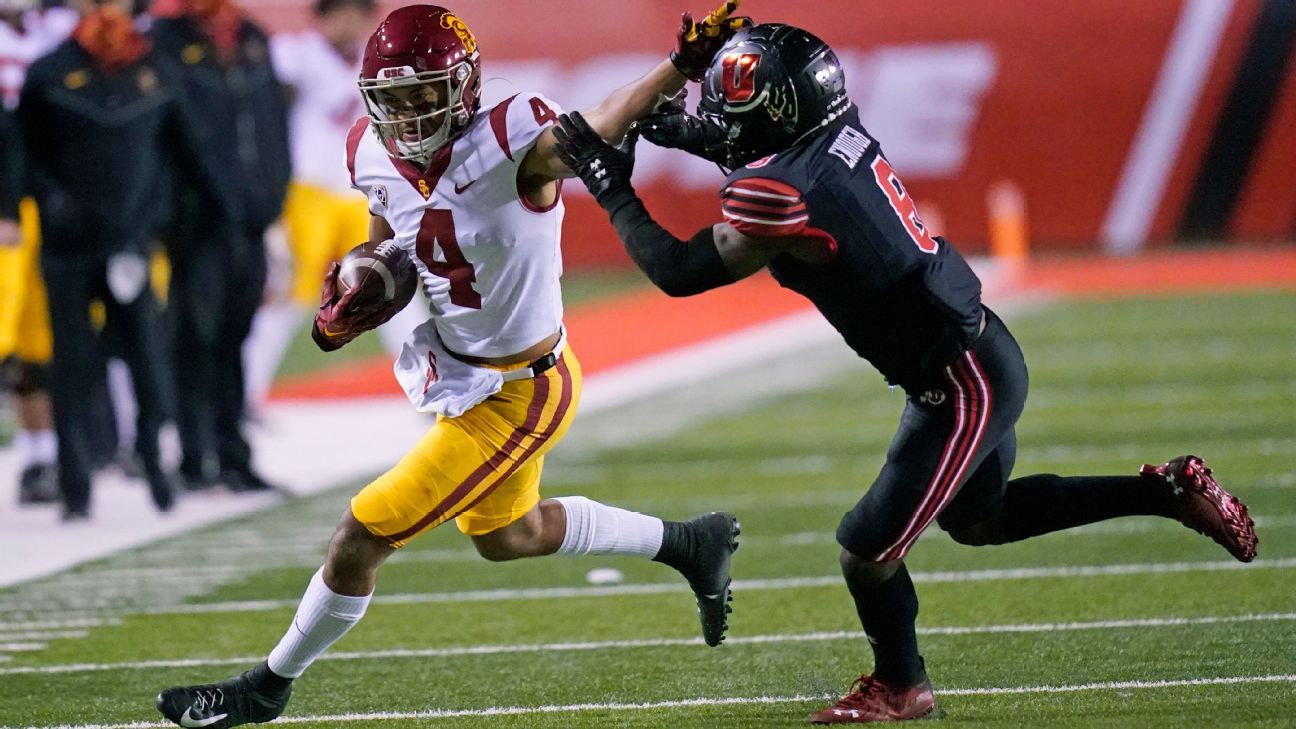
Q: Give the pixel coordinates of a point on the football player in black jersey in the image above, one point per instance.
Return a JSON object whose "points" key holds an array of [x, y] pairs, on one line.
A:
{"points": [[811, 197]]}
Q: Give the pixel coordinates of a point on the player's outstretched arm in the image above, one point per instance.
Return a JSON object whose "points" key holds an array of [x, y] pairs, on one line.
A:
{"points": [[714, 256], [696, 44]]}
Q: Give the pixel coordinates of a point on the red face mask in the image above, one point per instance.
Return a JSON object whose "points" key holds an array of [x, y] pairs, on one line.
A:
{"points": [[109, 36]]}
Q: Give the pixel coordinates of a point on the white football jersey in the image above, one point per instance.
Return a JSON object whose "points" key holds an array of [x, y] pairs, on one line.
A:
{"points": [[489, 260], [325, 103], [42, 30]]}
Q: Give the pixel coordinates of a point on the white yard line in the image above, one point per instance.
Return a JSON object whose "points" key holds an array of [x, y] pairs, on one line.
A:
{"points": [[42, 635], [815, 637], [785, 583], [1120, 526], [711, 701], [55, 624]]}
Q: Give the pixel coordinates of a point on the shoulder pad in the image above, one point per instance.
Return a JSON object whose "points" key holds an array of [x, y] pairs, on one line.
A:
{"points": [[517, 122]]}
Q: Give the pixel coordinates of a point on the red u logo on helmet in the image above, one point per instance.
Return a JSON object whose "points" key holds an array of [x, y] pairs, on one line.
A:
{"points": [[739, 76]]}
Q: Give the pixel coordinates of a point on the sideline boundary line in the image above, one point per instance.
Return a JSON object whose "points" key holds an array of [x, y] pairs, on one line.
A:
{"points": [[786, 583], [717, 701], [814, 637]]}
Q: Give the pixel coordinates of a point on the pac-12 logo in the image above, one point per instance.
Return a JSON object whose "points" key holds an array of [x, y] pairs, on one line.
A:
{"points": [[380, 194], [739, 77]]}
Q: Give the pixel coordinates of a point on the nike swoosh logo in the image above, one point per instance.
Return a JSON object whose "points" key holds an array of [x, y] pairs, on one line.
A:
{"points": [[711, 597], [459, 190], [189, 721]]}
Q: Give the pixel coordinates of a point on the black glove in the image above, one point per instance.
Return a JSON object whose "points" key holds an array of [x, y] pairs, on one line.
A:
{"points": [[603, 168], [696, 43], [670, 126]]}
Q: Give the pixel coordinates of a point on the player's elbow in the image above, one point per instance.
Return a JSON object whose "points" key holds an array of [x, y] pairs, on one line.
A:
{"points": [[683, 269]]}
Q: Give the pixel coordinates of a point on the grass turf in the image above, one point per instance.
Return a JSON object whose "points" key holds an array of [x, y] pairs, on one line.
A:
{"points": [[1113, 384]]}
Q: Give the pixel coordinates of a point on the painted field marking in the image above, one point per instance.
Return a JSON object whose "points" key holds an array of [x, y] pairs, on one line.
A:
{"points": [[162, 578], [1120, 526], [814, 637], [785, 583], [42, 635], [56, 624], [709, 701]]}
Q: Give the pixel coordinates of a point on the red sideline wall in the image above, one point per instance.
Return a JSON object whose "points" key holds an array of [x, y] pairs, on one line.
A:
{"points": [[962, 94]]}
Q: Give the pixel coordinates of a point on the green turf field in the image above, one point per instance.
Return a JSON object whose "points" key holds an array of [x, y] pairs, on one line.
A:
{"points": [[1137, 622]]}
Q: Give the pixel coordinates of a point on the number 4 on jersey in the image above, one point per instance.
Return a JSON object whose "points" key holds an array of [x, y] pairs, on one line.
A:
{"points": [[903, 205], [437, 228]]}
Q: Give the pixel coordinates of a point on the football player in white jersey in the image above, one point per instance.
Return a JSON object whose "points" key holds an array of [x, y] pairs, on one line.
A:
{"points": [[27, 33], [473, 196]]}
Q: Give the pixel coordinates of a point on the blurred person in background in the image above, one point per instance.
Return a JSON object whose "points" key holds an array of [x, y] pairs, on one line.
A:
{"points": [[218, 279], [100, 116], [323, 217], [26, 33]]}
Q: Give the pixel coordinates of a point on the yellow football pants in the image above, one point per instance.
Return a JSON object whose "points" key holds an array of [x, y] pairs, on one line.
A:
{"points": [[481, 469], [24, 314], [322, 226]]}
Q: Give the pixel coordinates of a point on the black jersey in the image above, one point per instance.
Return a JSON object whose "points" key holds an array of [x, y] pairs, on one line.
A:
{"points": [[904, 300], [95, 143]]}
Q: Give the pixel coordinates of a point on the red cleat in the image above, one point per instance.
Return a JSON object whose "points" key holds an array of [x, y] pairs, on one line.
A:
{"points": [[872, 700], [1202, 505]]}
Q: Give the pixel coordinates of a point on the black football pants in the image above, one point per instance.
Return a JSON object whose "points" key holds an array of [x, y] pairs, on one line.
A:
{"points": [[952, 454], [73, 281]]}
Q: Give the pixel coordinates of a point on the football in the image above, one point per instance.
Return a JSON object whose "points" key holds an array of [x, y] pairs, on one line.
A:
{"points": [[383, 273]]}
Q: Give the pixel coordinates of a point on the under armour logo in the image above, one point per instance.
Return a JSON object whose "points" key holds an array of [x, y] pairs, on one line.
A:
{"points": [[1174, 485], [933, 397]]}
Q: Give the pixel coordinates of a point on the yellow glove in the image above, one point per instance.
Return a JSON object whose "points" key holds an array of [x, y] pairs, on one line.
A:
{"points": [[696, 43]]}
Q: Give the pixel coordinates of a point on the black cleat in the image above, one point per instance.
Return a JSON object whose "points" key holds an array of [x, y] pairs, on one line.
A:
{"points": [[38, 484], [714, 537], [243, 699]]}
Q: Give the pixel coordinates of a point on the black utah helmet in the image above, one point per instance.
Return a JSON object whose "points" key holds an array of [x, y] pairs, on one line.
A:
{"points": [[769, 86]]}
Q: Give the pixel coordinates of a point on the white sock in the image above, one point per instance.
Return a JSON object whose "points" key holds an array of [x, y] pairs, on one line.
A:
{"points": [[36, 447], [121, 391], [322, 618], [594, 528]]}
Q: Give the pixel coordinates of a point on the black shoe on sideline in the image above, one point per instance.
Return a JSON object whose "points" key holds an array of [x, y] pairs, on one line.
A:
{"points": [[243, 699], [162, 490], [241, 481], [38, 484]]}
